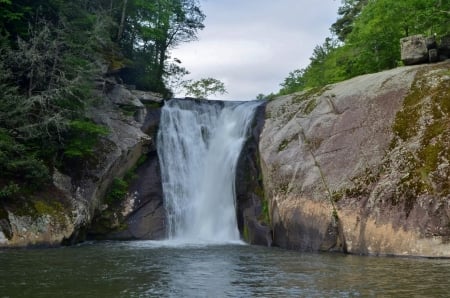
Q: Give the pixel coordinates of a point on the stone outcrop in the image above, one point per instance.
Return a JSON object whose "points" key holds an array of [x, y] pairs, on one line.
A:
{"points": [[418, 49], [362, 166], [61, 213], [252, 209], [414, 49], [141, 215]]}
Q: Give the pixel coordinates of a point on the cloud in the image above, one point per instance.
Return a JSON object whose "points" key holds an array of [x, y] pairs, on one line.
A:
{"points": [[252, 45]]}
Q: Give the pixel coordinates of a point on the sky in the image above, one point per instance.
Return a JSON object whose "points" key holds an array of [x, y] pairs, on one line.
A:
{"points": [[252, 45]]}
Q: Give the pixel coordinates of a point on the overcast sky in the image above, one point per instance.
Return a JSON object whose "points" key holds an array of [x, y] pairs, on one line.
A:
{"points": [[252, 45]]}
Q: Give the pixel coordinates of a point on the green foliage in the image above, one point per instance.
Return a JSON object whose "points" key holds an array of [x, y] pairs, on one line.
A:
{"points": [[82, 137], [205, 87], [368, 35], [261, 96], [8, 191], [321, 71], [117, 192], [51, 54], [18, 163], [147, 34], [348, 12]]}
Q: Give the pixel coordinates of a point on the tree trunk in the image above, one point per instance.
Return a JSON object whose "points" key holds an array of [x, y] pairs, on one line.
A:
{"points": [[122, 20]]}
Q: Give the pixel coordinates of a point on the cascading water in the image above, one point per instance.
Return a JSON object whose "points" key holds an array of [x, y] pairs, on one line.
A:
{"points": [[199, 144]]}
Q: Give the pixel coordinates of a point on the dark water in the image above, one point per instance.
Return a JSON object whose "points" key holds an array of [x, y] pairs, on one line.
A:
{"points": [[146, 269]]}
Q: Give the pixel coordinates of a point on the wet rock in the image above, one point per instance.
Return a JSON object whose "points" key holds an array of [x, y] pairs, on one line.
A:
{"points": [[253, 218], [146, 219]]}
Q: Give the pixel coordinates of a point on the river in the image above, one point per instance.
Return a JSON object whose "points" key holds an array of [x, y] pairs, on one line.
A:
{"points": [[168, 269]]}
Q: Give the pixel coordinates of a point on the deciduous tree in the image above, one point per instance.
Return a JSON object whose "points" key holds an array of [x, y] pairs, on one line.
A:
{"points": [[205, 87]]}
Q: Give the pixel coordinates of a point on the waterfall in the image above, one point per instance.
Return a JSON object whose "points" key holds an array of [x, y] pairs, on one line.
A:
{"points": [[199, 143]]}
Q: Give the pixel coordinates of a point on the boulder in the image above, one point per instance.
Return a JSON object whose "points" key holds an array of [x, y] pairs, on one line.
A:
{"points": [[125, 99], [433, 55], [414, 49], [362, 166]]}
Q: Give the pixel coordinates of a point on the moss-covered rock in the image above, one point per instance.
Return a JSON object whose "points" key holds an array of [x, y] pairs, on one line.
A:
{"points": [[382, 157]]}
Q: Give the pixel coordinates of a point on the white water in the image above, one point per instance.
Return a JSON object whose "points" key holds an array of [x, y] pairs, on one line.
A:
{"points": [[199, 145]]}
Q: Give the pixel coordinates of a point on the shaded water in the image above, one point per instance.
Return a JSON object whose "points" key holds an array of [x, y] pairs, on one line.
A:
{"points": [[166, 269]]}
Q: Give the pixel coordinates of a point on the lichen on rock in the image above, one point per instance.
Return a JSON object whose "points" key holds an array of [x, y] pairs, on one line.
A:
{"points": [[378, 146]]}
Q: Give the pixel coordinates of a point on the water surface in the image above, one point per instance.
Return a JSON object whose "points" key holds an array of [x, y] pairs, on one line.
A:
{"points": [[165, 269]]}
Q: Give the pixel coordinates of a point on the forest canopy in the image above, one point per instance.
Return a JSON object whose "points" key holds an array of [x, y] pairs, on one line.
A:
{"points": [[365, 39]]}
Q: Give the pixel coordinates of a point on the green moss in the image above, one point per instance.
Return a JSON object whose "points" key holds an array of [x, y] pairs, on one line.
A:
{"points": [[117, 191], [128, 110], [283, 145], [265, 213], [152, 105], [429, 157], [406, 123], [432, 103], [142, 159], [50, 207], [338, 195], [308, 94], [53, 208], [83, 137], [309, 106], [406, 120], [246, 234]]}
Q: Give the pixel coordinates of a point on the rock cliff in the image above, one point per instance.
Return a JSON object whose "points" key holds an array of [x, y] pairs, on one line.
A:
{"points": [[60, 213], [362, 166]]}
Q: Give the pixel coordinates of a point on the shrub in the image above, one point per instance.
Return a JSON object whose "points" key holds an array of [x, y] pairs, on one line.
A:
{"points": [[82, 138], [117, 192]]}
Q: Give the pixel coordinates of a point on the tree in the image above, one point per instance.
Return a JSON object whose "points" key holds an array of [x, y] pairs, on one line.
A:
{"points": [[368, 35], [47, 75], [348, 13], [51, 54], [204, 87], [152, 29]]}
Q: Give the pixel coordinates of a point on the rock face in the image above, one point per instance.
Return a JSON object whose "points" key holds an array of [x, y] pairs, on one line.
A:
{"points": [[141, 215], [362, 166], [61, 213], [252, 209]]}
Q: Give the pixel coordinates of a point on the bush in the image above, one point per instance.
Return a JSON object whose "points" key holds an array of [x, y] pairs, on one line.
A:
{"points": [[9, 190], [117, 192], [82, 138]]}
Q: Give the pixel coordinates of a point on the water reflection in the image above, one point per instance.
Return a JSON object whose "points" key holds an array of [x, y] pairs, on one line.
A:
{"points": [[146, 269]]}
